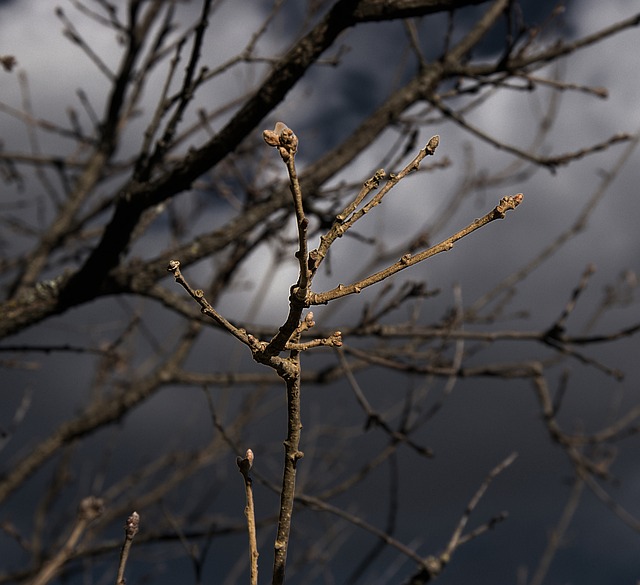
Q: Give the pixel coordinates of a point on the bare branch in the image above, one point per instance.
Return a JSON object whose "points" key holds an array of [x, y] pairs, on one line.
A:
{"points": [[131, 528], [90, 508], [498, 212], [244, 466]]}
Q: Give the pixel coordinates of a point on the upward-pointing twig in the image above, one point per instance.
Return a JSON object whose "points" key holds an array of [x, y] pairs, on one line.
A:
{"points": [[498, 212]]}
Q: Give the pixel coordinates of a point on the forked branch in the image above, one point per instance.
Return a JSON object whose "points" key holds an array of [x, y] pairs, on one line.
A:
{"points": [[288, 336]]}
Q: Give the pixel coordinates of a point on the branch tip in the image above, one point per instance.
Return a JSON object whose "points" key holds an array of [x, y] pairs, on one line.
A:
{"points": [[245, 464], [282, 138], [132, 525], [433, 143], [509, 202]]}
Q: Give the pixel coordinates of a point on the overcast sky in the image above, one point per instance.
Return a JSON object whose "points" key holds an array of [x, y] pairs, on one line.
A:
{"points": [[485, 421]]}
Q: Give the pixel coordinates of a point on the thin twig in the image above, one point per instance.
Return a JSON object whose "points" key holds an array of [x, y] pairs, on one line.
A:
{"points": [[130, 530], [456, 537], [373, 417], [577, 227], [498, 212], [90, 509], [548, 161], [205, 306], [348, 216], [244, 466], [557, 534], [360, 523]]}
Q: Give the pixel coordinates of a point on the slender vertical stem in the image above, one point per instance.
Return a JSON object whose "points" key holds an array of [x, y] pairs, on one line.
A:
{"points": [[302, 223], [244, 465], [291, 456], [130, 530]]}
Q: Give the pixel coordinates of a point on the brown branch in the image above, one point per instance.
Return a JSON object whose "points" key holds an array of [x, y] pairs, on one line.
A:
{"points": [[577, 227], [377, 10], [348, 216], [74, 36], [139, 197], [498, 212], [506, 370], [582, 463], [286, 142], [561, 49], [89, 178], [456, 537], [599, 92], [436, 564], [130, 530], [558, 533], [92, 279], [314, 502], [90, 509], [550, 162], [186, 95], [207, 309], [96, 415], [291, 457], [373, 417], [244, 466], [629, 519]]}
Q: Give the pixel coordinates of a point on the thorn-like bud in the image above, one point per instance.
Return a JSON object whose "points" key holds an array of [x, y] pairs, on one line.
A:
{"points": [[433, 143], [132, 525], [245, 465]]}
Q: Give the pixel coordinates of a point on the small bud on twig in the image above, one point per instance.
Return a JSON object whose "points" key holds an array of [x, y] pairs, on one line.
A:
{"points": [[433, 143], [132, 525], [245, 465], [283, 138]]}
